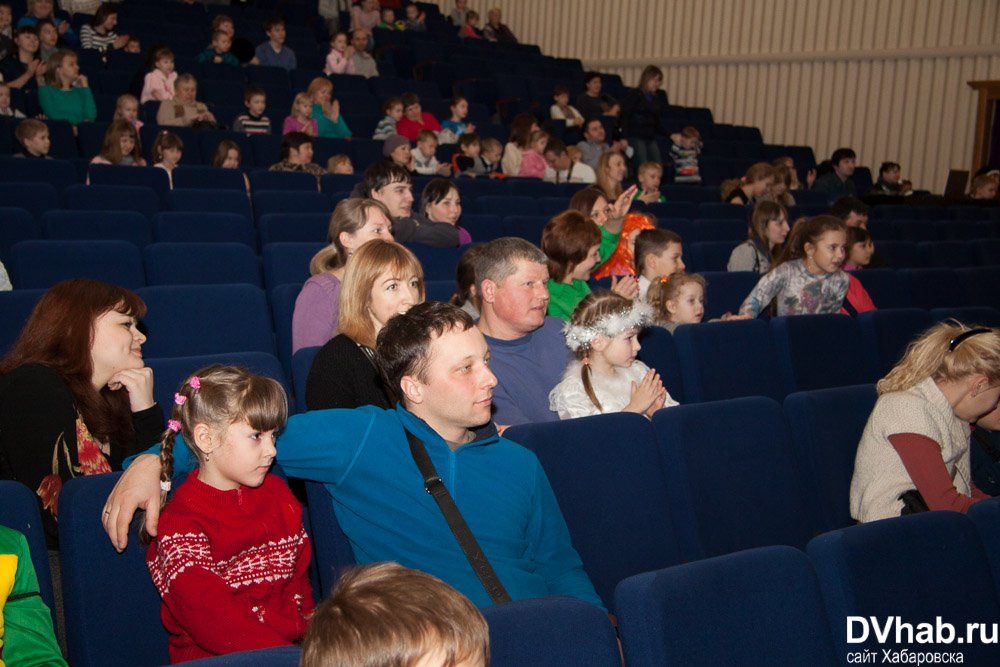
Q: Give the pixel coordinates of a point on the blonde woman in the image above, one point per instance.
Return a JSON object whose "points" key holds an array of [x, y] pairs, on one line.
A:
{"points": [[353, 223], [914, 451], [383, 279]]}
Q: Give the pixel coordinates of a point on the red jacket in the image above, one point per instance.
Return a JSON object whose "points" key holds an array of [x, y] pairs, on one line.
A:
{"points": [[232, 569], [858, 297], [410, 129]]}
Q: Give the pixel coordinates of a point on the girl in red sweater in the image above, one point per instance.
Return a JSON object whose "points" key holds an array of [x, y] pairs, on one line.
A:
{"points": [[231, 557]]}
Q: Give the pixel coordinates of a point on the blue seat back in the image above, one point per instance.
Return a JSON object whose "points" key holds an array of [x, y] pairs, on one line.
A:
{"points": [[36, 198], [209, 178], [728, 359], [286, 263], [736, 487], [888, 332], [187, 227], [138, 198], [59, 174], [114, 618], [282, 300], [283, 181], [153, 178], [438, 263], [729, 610], [15, 307], [201, 264], [826, 428], [41, 264], [972, 315], [302, 362], [211, 201], [506, 205], [885, 288], [935, 288], [980, 285], [19, 511], [278, 201], [800, 340], [659, 352], [293, 227], [725, 291], [281, 656], [986, 516], [98, 225], [18, 225], [184, 320], [614, 499], [331, 548]]}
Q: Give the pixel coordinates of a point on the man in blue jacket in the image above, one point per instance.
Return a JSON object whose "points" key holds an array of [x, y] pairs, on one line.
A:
{"points": [[438, 361]]}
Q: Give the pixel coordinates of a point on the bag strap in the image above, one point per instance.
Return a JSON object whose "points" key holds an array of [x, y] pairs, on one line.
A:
{"points": [[470, 547], [849, 307]]}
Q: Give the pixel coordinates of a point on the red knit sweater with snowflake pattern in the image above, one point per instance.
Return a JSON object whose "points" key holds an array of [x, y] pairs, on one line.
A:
{"points": [[232, 569]]}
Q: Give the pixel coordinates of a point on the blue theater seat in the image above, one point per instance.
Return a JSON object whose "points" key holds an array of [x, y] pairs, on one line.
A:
{"points": [[728, 359], [980, 285], [718, 210], [483, 228], [986, 516], [282, 300], [169, 373], [935, 288], [301, 363], [58, 173], [988, 252], [18, 225], [19, 511], [331, 548], [709, 256], [112, 619], [888, 332], [673, 209], [41, 264], [966, 230], [726, 291], [899, 254], [801, 341], [185, 320], [949, 254], [63, 140], [201, 264], [276, 201], [885, 287], [439, 290], [36, 198], [153, 178], [282, 180], [757, 607], [609, 495], [137, 198], [281, 656], [916, 231], [506, 205], [293, 227], [211, 201], [98, 225], [972, 315], [286, 263], [735, 487], [438, 263], [826, 427], [187, 227], [331, 183], [528, 227], [895, 567], [209, 178], [266, 148], [659, 352], [15, 307]]}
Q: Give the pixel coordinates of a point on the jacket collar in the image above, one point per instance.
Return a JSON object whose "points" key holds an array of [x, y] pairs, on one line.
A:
{"points": [[483, 435]]}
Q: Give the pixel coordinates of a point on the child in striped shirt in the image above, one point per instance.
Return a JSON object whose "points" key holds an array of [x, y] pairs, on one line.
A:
{"points": [[254, 121]]}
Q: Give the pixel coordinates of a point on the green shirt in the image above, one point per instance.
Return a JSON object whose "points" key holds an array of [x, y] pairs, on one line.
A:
{"points": [[564, 298], [609, 242], [327, 128], [75, 105], [26, 635]]}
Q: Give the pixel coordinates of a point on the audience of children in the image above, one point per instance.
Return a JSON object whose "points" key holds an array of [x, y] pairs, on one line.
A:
{"points": [[562, 168], [297, 155], [253, 121], [492, 152], [622, 260], [121, 146], [570, 242], [532, 163], [184, 110], [392, 112], [441, 202], [766, 236], [593, 145], [983, 188], [273, 52], [859, 248], [388, 21], [227, 155], [300, 119], [749, 189], [605, 376], [160, 80], [657, 254], [230, 549], [415, 119], [495, 30], [589, 101], [241, 47], [66, 95], [611, 171], [330, 122], [609, 217], [680, 299], [33, 135], [167, 151], [807, 277], [561, 109], [780, 192], [457, 124], [38, 10], [468, 161], [218, 51], [424, 158], [649, 176], [914, 451]]}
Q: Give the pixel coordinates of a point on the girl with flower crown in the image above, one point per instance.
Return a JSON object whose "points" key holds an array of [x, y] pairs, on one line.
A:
{"points": [[606, 376], [231, 557]]}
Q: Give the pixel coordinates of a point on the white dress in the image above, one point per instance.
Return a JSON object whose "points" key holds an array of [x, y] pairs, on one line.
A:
{"points": [[569, 399]]}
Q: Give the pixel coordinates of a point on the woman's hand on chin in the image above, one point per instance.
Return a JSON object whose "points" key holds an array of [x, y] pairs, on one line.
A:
{"points": [[138, 382]]}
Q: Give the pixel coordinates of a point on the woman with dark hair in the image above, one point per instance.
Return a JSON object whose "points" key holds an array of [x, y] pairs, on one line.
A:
{"points": [[441, 202], [607, 214], [641, 111], [100, 32], [75, 395]]}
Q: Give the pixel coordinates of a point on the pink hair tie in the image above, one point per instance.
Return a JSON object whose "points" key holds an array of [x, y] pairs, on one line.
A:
{"points": [[164, 486], [180, 399], [174, 425], [195, 382]]}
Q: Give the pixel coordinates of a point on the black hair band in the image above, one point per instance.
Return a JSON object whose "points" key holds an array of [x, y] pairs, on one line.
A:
{"points": [[957, 340]]}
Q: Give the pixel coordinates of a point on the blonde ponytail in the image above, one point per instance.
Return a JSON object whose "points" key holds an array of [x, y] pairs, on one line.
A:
{"points": [[931, 355]]}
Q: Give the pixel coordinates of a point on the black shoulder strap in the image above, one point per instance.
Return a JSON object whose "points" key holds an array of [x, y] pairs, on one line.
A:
{"points": [[470, 547], [849, 307]]}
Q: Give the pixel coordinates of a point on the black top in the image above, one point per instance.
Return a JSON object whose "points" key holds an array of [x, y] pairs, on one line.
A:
{"points": [[737, 196], [589, 107], [343, 376], [641, 114], [38, 431], [11, 67]]}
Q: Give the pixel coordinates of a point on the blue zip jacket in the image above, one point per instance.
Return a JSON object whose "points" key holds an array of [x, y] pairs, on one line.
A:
{"points": [[363, 459]]}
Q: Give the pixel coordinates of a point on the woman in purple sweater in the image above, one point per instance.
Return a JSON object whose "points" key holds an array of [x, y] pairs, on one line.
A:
{"points": [[354, 222]]}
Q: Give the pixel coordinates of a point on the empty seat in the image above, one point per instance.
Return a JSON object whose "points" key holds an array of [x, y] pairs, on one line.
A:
{"points": [[331, 183], [274, 201], [885, 287], [972, 315], [169, 373], [112, 607], [209, 178], [201, 264], [826, 428], [986, 517], [153, 178], [735, 487], [800, 341], [137, 198], [614, 499], [725, 291], [483, 228], [282, 180], [674, 209], [728, 359], [506, 205], [935, 288], [988, 252], [41, 264], [282, 298], [720, 210], [756, 607], [57, 173], [895, 568], [187, 227], [36, 198], [888, 332], [950, 254], [438, 263], [288, 262], [98, 225], [15, 307], [331, 547], [980, 285], [966, 230], [659, 352], [19, 511], [899, 254], [528, 227], [18, 225], [211, 201], [184, 320], [293, 227]]}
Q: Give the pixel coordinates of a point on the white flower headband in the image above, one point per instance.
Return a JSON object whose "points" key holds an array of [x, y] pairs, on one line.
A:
{"points": [[638, 316]]}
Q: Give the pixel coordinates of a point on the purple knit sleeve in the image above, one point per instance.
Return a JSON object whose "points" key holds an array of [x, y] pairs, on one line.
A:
{"points": [[317, 308]]}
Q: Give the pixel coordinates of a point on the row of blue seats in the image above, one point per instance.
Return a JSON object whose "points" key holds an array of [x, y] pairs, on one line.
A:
{"points": [[724, 481]]}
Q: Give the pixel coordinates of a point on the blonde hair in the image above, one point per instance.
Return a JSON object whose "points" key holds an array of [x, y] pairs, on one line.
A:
{"points": [[301, 97], [223, 395], [386, 614], [759, 171], [366, 265], [349, 216], [667, 289], [611, 190], [650, 166], [121, 101], [591, 309], [931, 355], [317, 84]]}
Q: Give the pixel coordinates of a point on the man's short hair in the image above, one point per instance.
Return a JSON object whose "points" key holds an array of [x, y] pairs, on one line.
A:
{"points": [[397, 614], [844, 206], [555, 146], [589, 76], [468, 139], [294, 140], [272, 22], [25, 30], [497, 260], [652, 242], [842, 154], [589, 121], [29, 128], [888, 166], [381, 174], [409, 99], [252, 92], [403, 345]]}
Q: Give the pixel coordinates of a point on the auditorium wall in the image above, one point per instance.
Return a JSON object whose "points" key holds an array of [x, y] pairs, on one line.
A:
{"points": [[886, 77]]}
